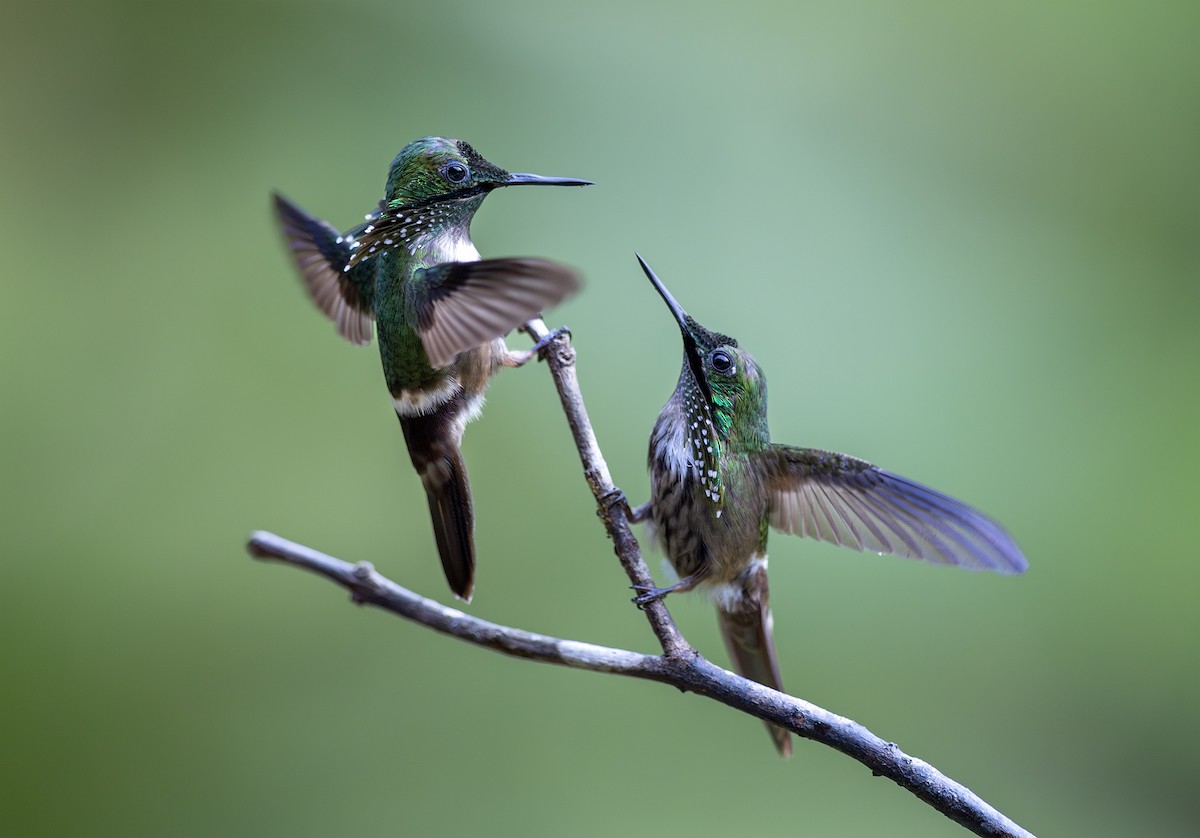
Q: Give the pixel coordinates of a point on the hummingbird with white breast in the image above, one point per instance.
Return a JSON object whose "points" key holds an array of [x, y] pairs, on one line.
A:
{"points": [[718, 484], [441, 312]]}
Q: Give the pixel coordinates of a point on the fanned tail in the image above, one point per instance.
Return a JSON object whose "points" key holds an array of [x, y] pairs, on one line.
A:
{"points": [[433, 444], [745, 621]]}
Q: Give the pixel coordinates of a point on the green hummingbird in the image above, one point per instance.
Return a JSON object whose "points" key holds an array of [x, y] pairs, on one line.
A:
{"points": [[717, 483], [441, 312]]}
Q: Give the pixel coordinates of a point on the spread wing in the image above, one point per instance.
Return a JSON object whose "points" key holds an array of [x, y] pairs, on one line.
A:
{"points": [[847, 501], [321, 254], [460, 305]]}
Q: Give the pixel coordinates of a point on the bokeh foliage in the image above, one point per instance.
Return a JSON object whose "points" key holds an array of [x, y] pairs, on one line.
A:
{"points": [[960, 237]]}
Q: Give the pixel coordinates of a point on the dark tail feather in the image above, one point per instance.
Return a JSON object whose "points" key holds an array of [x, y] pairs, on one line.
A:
{"points": [[433, 445], [746, 627]]}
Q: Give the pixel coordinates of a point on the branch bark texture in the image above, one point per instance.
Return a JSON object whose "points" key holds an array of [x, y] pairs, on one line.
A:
{"points": [[680, 665]]}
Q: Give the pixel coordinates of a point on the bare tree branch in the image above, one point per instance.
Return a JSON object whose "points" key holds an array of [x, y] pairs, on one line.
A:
{"points": [[560, 358], [680, 665], [369, 587]]}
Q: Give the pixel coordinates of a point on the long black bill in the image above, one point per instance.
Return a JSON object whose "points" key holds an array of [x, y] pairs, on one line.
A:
{"points": [[677, 311], [523, 178], [691, 348]]}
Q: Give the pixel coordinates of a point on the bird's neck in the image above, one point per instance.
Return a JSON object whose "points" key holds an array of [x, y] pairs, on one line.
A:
{"points": [[453, 245]]}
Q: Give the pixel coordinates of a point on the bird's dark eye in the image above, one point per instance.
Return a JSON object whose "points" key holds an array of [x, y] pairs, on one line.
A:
{"points": [[720, 360], [456, 172]]}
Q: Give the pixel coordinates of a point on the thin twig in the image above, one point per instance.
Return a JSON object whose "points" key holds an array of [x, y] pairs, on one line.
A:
{"points": [[690, 673], [369, 587], [560, 358], [679, 665]]}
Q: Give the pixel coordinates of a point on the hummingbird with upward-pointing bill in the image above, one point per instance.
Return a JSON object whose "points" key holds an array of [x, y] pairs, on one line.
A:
{"points": [[441, 312], [717, 483]]}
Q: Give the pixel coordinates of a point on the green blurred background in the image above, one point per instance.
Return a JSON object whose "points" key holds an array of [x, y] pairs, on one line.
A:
{"points": [[960, 237]]}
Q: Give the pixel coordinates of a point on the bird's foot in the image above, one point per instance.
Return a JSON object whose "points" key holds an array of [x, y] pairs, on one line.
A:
{"points": [[540, 346], [538, 350], [647, 594], [615, 499]]}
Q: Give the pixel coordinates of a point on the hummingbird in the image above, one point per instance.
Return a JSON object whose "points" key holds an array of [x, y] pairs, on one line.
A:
{"points": [[718, 484], [441, 311]]}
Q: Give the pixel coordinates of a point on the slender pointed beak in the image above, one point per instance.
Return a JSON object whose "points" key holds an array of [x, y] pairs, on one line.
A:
{"points": [[677, 310], [691, 347], [523, 178]]}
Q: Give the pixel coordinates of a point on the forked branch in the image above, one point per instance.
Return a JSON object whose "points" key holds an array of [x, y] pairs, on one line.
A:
{"points": [[680, 665]]}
